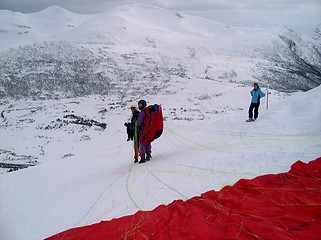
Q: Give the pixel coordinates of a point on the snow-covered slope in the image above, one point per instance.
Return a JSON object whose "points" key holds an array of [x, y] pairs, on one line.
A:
{"points": [[199, 70], [84, 174], [58, 53]]}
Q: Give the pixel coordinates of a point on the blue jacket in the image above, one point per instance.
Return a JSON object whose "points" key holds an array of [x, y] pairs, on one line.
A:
{"points": [[256, 95]]}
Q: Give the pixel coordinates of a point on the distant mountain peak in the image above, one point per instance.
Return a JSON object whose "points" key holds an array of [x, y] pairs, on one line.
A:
{"points": [[53, 10]]}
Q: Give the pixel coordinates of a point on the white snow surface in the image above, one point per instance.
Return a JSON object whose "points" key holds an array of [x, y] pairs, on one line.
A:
{"points": [[85, 175]]}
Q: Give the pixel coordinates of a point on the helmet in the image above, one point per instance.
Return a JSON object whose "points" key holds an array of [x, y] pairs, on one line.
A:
{"points": [[143, 103], [256, 84]]}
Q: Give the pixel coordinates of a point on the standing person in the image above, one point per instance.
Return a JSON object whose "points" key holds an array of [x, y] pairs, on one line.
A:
{"points": [[132, 130], [145, 150], [256, 94]]}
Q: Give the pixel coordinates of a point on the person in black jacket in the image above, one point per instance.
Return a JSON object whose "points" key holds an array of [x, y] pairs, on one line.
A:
{"points": [[131, 125]]}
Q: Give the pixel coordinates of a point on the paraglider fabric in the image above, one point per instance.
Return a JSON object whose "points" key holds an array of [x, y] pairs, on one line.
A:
{"points": [[275, 206]]}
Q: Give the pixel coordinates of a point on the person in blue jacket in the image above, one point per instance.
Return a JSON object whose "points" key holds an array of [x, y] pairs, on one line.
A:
{"points": [[256, 94]]}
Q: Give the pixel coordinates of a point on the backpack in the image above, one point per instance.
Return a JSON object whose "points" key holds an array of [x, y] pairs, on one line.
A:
{"points": [[153, 123]]}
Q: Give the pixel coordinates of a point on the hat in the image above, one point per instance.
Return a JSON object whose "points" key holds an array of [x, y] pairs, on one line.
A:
{"points": [[134, 106]]}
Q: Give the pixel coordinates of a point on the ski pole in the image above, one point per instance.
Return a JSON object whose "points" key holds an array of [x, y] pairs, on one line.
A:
{"points": [[267, 96]]}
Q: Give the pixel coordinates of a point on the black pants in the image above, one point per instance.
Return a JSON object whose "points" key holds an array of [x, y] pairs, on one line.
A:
{"points": [[254, 106], [130, 132]]}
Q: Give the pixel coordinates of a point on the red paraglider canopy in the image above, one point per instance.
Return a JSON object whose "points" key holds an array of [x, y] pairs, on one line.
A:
{"points": [[275, 206]]}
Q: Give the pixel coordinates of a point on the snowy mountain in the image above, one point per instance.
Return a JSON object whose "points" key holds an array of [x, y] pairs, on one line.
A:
{"points": [[68, 80], [56, 53]]}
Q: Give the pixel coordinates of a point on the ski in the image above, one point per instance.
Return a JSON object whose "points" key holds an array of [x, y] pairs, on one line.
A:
{"points": [[250, 120]]}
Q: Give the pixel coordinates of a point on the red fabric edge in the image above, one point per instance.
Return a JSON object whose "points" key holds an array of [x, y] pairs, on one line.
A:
{"points": [[274, 206]]}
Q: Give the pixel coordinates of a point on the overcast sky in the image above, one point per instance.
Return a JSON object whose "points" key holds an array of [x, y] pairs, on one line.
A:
{"points": [[226, 11]]}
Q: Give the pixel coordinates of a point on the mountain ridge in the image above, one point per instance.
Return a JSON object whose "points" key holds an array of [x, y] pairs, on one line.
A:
{"points": [[144, 42]]}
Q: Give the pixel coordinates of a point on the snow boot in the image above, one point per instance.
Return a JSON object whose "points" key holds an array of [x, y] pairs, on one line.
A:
{"points": [[148, 157], [142, 160]]}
